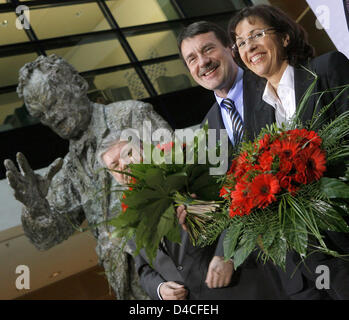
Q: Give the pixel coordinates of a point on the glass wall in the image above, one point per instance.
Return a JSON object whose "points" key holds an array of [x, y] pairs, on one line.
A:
{"points": [[67, 20], [134, 12], [125, 49], [9, 34]]}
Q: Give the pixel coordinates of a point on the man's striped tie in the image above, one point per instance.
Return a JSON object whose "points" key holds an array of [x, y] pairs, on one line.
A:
{"points": [[237, 124]]}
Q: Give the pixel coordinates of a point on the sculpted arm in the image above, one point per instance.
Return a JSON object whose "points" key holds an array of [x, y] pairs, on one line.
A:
{"points": [[43, 222]]}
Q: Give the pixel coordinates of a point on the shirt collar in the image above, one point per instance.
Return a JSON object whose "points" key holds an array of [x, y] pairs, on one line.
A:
{"points": [[234, 90], [286, 81]]}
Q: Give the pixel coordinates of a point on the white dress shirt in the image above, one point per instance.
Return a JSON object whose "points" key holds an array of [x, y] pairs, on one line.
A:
{"points": [[284, 102]]}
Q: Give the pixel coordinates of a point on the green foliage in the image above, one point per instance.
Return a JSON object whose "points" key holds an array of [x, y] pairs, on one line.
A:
{"points": [[296, 232], [277, 251], [212, 230], [334, 188], [245, 246], [231, 239], [150, 213]]}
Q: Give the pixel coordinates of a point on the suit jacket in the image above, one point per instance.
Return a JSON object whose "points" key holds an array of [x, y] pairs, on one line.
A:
{"points": [[332, 69], [188, 265]]}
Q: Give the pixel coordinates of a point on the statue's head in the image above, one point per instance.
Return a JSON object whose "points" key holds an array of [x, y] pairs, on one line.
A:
{"points": [[56, 94]]}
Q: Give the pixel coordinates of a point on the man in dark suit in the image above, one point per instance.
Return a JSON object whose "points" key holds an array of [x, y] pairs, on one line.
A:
{"points": [[183, 271], [299, 280]]}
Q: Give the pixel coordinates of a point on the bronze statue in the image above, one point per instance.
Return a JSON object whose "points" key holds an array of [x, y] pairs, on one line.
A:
{"points": [[58, 202]]}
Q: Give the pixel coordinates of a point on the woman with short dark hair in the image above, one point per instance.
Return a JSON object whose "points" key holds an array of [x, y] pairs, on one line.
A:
{"points": [[298, 50], [274, 47]]}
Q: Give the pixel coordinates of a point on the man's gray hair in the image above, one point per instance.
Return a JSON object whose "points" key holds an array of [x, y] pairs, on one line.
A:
{"points": [[113, 139], [107, 143]]}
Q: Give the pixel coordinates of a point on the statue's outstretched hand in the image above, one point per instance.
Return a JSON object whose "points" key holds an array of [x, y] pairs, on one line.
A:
{"points": [[30, 188]]}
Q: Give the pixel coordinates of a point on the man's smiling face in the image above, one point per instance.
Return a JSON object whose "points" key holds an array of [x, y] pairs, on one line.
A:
{"points": [[210, 63]]}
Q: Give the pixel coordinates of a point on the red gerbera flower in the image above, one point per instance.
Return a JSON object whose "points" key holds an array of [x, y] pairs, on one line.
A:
{"points": [[288, 150], [264, 187], [243, 165], [303, 136], [264, 142], [223, 192], [266, 161], [232, 167], [285, 167], [124, 206], [316, 164], [241, 200], [243, 158], [300, 161], [166, 147]]}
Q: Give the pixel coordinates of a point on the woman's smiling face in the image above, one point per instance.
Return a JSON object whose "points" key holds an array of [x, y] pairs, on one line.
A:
{"points": [[265, 56]]}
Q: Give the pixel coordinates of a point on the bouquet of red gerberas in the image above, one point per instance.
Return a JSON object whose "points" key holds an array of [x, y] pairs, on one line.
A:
{"points": [[277, 163], [288, 187], [277, 196]]}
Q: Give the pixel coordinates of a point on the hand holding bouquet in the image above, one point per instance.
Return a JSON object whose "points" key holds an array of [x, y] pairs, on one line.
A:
{"points": [[156, 189]]}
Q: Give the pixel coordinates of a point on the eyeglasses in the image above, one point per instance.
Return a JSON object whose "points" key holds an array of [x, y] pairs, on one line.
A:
{"points": [[241, 44]]}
